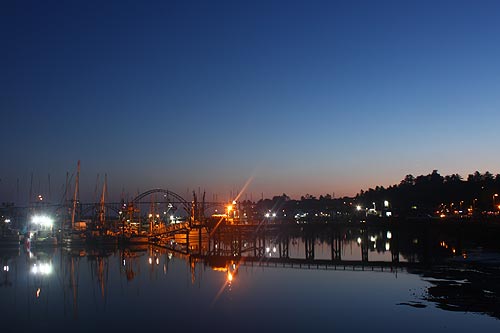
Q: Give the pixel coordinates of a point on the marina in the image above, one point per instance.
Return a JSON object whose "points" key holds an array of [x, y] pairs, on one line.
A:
{"points": [[232, 275]]}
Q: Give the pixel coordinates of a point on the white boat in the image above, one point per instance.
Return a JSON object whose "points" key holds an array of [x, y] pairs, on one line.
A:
{"points": [[43, 238]]}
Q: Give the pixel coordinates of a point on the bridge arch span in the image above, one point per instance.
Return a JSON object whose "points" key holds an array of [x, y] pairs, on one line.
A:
{"points": [[168, 194]]}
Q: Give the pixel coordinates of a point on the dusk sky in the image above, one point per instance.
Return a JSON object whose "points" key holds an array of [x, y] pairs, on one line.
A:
{"points": [[297, 96]]}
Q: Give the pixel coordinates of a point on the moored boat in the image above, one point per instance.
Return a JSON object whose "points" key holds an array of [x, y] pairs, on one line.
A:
{"points": [[9, 238]]}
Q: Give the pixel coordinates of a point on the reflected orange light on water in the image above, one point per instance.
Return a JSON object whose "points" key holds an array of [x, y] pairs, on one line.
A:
{"points": [[231, 269]]}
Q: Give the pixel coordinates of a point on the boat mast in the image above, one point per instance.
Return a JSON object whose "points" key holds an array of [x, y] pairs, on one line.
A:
{"points": [[75, 196], [102, 210]]}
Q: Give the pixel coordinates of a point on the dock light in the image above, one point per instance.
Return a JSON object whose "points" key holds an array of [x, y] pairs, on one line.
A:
{"points": [[42, 220], [229, 208]]}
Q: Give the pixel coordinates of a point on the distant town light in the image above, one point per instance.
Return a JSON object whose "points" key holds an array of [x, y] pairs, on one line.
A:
{"points": [[358, 208]]}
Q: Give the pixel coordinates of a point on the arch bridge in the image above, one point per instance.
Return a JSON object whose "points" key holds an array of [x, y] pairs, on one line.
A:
{"points": [[169, 197]]}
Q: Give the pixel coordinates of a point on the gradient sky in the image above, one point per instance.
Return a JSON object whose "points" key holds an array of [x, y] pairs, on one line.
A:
{"points": [[300, 96]]}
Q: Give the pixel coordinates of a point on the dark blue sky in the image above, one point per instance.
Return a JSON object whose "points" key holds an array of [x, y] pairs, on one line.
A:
{"points": [[301, 96]]}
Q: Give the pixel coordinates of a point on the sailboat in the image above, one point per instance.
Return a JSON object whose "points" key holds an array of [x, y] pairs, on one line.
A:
{"points": [[74, 235], [99, 234]]}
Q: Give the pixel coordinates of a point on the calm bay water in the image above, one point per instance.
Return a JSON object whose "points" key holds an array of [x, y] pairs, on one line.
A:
{"points": [[152, 288]]}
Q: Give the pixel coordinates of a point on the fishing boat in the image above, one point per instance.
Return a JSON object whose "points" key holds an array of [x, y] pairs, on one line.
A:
{"points": [[9, 237], [74, 237], [133, 238]]}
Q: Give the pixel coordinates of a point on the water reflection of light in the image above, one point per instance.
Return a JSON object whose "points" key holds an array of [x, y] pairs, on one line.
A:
{"points": [[389, 235], [157, 261], [358, 240], [387, 246], [5, 268], [38, 293], [42, 268], [373, 238], [229, 276], [274, 249], [150, 260]]}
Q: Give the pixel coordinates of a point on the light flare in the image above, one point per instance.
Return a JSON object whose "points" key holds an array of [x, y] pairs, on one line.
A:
{"points": [[244, 188]]}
